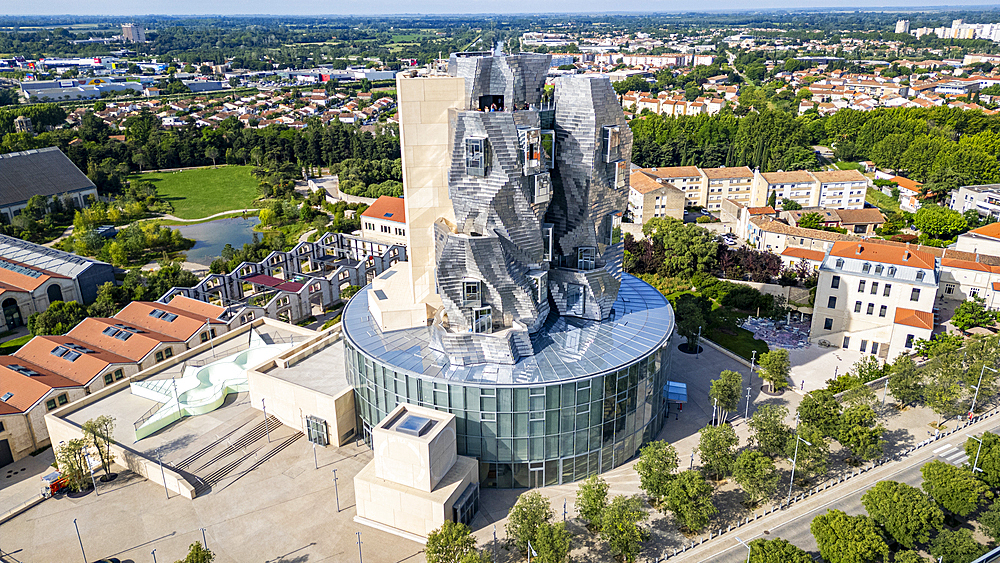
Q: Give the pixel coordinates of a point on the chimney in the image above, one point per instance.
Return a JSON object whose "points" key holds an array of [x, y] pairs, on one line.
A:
{"points": [[906, 256], [860, 248]]}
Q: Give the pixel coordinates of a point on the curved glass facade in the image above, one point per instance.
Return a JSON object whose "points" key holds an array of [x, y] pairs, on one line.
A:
{"points": [[529, 436]]}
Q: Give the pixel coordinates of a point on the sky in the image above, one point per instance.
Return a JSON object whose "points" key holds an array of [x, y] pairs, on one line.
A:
{"points": [[316, 7]]}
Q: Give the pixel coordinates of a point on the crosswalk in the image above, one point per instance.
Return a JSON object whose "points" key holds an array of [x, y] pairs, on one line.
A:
{"points": [[952, 454]]}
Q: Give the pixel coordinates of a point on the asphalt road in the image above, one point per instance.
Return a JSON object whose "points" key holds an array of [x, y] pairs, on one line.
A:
{"points": [[796, 529]]}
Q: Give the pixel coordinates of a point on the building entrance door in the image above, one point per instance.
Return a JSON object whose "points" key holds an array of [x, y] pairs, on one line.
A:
{"points": [[12, 314], [5, 455], [537, 476]]}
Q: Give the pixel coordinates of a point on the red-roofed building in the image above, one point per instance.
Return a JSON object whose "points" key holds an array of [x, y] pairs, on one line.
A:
{"points": [[385, 220], [875, 298], [984, 240], [791, 257]]}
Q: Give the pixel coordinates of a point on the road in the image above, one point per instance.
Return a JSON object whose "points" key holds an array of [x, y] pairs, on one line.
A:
{"points": [[793, 524]]}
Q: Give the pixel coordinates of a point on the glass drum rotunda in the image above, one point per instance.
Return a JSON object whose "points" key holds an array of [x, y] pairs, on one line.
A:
{"points": [[512, 312]]}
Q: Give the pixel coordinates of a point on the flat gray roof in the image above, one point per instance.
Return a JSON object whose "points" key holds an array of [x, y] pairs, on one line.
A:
{"points": [[322, 371], [43, 172]]}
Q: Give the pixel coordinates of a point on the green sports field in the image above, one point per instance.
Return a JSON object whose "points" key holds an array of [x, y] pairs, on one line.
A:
{"points": [[202, 192]]}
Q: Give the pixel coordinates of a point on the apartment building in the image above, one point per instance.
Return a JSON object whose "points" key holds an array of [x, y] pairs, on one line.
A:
{"points": [[688, 179], [385, 221], [875, 298], [724, 183], [985, 199], [771, 235], [835, 189], [648, 198], [984, 240]]}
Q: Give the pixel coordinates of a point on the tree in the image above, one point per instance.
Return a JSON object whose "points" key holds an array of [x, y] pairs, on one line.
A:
{"points": [[908, 556], [551, 543], [956, 489], [860, 434], [59, 318], [687, 247], [690, 500], [100, 432], [769, 433], [820, 410], [772, 199], [939, 222], [656, 466], [790, 205], [449, 543], [905, 512], [775, 368], [717, 447], [726, 390], [529, 512], [756, 474], [848, 539], [690, 319], [197, 554], [212, 153], [906, 382], [592, 496], [813, 454], [972, 313], [956, 547], [777, 551], [988, 457], [810, 220], [71, 458], [989, 521], [621, 527]]}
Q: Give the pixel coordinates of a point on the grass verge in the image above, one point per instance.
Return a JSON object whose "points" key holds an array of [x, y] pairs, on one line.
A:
{"points": [[880, 200], [11, 346]]}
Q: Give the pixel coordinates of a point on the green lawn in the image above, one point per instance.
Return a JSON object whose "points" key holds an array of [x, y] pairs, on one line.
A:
{"points": [[11, 346], [201, 192], [842, 165]]}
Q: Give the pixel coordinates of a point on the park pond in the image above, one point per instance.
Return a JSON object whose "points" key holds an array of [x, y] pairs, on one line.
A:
{"points": [[212, 236]]}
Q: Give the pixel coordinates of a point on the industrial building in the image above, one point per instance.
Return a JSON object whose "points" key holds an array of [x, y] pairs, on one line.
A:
{"points": [[45, 172]]}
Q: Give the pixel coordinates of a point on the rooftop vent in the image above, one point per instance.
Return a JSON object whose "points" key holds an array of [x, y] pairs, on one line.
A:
{"points": [[860, 249]]}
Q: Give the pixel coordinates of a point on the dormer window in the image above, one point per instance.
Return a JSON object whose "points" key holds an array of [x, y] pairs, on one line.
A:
{"points": [[840, 263], [920, 275], [892, 272], [878, 270], [866, 267]]}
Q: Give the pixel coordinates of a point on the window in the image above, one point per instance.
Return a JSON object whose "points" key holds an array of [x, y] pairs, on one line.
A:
{"points": [[885, 292], [874, 288], [882, 310], [159, 356], [909, 341], [586, 258], [874, 348], [828, 324], [857, 306], [871, 308], [974, 292], [482, 320], [543, 188], [316, 431], [864, 345], [50, 404], [847, 342], [168, 352], [119, 374], [475, 156], [866, 267], [831, 303], [920, 275], [878, 269], [547, 231], [861, 286], [204, 337], [471, 293], [612, 139], [840, 263], [108, 379], [915, 294], [835, 282], [892, 272], [949, 288], [63, 399]]}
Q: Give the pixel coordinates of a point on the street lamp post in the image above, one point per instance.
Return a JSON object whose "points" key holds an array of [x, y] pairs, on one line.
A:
{"points": [[794, 460], [749, 551], [204, 542], [747, 415], [360, 557], [979, 449], [336, 489], [978, 385], [153, 553], [697, 344], [267, 427], [80, 539]]}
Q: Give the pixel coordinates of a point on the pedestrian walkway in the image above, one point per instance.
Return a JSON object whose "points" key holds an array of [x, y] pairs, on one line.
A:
{"points": [[952, 454]]}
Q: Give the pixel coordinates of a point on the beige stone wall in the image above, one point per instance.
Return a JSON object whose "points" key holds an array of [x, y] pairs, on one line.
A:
{"points": [[424, 105], [670, 196], [291, 403], [413, 461], [18, 435]]}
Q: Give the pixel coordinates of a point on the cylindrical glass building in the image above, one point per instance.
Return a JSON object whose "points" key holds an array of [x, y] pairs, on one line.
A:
{"points": [[584, 403]]}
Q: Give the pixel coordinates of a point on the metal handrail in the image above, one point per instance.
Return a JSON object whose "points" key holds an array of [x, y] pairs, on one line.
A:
{"points": [[148, 415]]}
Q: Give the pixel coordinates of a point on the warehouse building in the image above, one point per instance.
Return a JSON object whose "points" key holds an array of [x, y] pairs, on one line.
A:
{"points": [[46, 172]]}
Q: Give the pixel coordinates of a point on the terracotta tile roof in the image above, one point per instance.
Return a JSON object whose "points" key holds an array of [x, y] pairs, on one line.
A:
{"points": [[198, 308], [134, 347], [21, 276], [161, 318], [884, 253], [27, 389], [674, 172], [388, 208], [772, 226], [914, 318], [761, 210], [641, 182], [804, 253], [996, 286], [857, 216], [81, 370], [992, 231], [727, 172], [794, 176], [840, 176], [965, 265], [906, 183]]}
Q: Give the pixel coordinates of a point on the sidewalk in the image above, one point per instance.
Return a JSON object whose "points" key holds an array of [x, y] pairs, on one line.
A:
{"points": [[21, 481]]}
